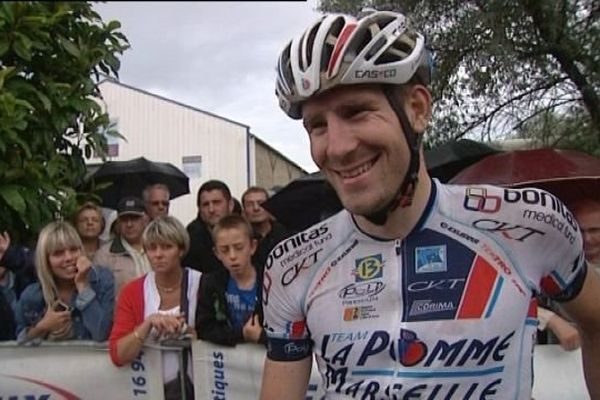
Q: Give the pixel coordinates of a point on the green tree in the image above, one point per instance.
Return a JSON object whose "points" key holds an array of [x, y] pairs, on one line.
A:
{"points": [[501, 65], [51, 57]]}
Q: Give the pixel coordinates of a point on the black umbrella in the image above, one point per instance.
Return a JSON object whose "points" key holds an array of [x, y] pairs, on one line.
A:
{"points": [[447, 160], [303, 202], [129, 178]]}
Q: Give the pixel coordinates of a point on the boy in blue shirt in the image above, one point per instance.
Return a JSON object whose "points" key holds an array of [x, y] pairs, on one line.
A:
{"points": [[229, 309]]}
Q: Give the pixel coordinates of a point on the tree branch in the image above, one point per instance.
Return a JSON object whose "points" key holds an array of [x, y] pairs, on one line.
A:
{"points": [[501, 106]]}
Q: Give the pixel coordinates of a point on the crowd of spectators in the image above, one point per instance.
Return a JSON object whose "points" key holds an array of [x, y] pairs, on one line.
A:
{"points": [[152, 280]]}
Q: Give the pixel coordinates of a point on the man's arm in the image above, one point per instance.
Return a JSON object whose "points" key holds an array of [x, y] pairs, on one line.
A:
{"points": [[285, 380], [585, 311]]}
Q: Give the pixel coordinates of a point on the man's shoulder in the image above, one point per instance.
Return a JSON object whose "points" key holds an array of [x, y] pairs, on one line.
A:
{"points": [[215, 279], [114, 246], [196, 225], [517, 213], [309, 247], [490, 199]]}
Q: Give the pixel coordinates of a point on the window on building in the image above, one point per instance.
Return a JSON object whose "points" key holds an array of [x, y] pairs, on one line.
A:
{"points": [[192, 166]]}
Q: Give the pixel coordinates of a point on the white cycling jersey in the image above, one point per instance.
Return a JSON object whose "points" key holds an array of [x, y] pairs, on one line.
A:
{"points": [[447, 313]]}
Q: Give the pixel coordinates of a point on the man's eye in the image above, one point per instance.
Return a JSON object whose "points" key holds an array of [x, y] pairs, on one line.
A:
{"points": [[316, 129], [356, 112]]}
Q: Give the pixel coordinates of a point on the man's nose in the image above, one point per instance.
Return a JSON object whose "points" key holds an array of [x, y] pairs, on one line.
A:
{"points": [[340, 137]]}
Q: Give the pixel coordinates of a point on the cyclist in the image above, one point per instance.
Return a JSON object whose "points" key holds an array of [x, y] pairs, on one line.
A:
{"points": [[416, 289]]}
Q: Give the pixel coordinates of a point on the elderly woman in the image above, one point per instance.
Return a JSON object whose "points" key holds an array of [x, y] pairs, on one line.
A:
{"points": [[72, 299], [160, 304]]}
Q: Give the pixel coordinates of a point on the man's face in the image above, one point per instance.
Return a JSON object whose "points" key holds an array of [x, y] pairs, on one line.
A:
{"points": [[358, 143], [89, 224], [131, 227], [234, 248], [588, 219], [253, 210], [158, 203], [214, 206]]}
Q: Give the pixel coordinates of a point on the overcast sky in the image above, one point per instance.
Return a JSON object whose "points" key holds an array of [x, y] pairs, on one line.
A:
{"points": [[216, 56]]}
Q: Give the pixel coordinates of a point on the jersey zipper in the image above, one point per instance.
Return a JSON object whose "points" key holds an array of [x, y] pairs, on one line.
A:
{"points": [[398, 246], [400, 263]]}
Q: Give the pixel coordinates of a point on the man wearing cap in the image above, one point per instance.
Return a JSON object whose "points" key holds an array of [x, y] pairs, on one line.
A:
{"points": [[124, 255]]}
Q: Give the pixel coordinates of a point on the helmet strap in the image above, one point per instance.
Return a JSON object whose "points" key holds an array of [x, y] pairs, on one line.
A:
{"points": [[406, 190]]}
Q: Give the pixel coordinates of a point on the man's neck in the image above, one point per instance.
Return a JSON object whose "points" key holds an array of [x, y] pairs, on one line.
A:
{"points": [[90, 245], [262, 228], [136, 244], [403, 219], [246, 278]]}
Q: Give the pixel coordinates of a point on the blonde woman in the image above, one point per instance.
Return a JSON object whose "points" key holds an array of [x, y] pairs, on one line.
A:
{"points": [[72, 299], [160, 304]]}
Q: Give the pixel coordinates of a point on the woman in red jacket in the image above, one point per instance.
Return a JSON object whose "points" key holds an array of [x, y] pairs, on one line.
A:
{"points": [[159, 305]]}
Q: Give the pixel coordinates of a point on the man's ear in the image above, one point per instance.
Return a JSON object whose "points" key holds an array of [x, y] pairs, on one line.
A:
{"points": [[418, 107], [231, 205]]}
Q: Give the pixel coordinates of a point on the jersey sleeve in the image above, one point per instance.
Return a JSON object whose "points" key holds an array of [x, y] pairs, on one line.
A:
{"points": [[567, 267], [288, 338]]}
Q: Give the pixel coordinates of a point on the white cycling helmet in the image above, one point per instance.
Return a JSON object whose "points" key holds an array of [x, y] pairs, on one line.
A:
{"points": [[341, 50]]}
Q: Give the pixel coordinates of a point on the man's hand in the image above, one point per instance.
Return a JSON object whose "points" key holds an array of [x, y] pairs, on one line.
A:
{"points": [[84, 266], [252, 329], [566, 333]]}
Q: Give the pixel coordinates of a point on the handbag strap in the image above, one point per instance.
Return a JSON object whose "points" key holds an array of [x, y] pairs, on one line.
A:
{"points": [[184, 302]]}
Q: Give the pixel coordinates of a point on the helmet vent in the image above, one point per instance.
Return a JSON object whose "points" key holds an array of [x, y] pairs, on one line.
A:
{"points": [[310, 42], [400, 50], [375, 48]]}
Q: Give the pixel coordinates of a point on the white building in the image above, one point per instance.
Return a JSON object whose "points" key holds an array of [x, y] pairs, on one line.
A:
{"points": [[203, 145]]}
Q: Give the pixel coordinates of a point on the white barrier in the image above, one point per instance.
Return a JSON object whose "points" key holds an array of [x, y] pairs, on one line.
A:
{"points": [[77, 370], [83, 370], [235, 373]]}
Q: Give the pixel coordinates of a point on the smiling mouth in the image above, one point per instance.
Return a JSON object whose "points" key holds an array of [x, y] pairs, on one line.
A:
{"points": [[361, 169]]}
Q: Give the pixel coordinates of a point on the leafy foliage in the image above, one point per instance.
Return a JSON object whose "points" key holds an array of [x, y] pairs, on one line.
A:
{"points": [[51, 57], [500, 67]]}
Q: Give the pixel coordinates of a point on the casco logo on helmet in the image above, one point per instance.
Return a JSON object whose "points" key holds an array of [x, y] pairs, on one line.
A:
{"points": [[305, 84], [375, 74]]}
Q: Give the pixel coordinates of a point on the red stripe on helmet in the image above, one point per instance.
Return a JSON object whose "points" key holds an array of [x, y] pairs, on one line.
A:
{"points": [[339, 45]]}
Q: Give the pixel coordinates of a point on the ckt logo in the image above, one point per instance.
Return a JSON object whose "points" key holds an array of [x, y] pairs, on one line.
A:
{"points": [[508, 230]]}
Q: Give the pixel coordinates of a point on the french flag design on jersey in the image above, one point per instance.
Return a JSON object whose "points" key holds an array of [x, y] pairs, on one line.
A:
{"points": [[466, 287]]}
